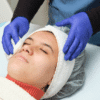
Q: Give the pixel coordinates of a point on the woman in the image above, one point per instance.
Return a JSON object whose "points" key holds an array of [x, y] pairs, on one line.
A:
{"points": [[38, 65]]}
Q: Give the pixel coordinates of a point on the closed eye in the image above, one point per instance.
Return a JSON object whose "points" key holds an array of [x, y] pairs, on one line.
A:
{"points": [[40, 48], [43, 51], [25, 43]]}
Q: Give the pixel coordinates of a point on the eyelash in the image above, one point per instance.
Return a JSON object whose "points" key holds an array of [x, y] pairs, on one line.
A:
{"points": [[40, 48]]}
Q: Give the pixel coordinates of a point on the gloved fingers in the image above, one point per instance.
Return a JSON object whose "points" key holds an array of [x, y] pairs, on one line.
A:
{"points": [[15, 36], [69, 41], [68, 44], [77, 52], [64, 22], [21, 35], [8, 39], [74, 46], [22, 31], [83, 47], [8, 43], [4, 46]]}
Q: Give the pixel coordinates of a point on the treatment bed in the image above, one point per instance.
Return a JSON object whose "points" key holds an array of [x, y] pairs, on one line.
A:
{"points": [[91, 88]]}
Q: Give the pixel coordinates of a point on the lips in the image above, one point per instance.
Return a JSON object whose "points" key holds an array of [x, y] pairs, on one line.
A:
{"points": [[21, 57]]}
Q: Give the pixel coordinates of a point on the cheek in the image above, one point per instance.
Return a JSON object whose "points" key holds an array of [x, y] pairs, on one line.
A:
{"points": [[43, 70], [39, 60], [43, 64]]}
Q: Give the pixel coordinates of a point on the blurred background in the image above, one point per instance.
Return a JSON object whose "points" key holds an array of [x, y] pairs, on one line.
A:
{"points": [[7, 8]]}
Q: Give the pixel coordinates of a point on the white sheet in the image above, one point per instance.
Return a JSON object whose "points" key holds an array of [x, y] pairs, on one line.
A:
{"points": [[91, 88]]}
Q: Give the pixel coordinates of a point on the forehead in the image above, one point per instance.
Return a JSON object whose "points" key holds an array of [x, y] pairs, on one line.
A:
{"points": [[44, 36]]}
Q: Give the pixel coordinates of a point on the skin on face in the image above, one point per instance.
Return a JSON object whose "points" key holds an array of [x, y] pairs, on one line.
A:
{"points": [[42, 60]]}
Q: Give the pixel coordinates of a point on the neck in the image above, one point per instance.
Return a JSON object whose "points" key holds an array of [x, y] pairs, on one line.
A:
{"points": [[33, 91]]}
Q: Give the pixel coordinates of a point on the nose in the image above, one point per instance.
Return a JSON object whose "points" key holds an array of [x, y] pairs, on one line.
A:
{"points": [[28, 49]]}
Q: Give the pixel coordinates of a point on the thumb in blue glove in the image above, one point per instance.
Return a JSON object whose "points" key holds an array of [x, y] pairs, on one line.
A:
{"points": [[80, 32], [17, 28]]}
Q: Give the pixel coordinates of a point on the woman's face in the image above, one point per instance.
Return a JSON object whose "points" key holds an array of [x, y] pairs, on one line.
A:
{"points": [[41, 53]]}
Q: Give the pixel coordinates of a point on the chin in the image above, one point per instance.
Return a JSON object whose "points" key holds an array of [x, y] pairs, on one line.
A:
{"points": [[16, 76], [15, 71]]}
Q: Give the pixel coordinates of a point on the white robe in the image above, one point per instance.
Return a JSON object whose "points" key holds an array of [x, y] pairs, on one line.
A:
{"points": [[11, 91]]}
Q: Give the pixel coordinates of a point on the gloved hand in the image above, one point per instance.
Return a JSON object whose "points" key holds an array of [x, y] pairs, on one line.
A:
{"points": [[80, 32], [17, 28]]}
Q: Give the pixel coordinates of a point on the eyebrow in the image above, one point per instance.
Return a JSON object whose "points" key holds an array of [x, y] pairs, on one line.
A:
{"points": [[42, 44]]}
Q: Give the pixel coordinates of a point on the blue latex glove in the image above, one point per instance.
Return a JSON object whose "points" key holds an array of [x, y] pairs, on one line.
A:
{"points": [[17, 28], [80, 32]]}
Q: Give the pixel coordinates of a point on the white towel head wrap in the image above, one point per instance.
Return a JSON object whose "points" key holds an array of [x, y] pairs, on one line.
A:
{"points": [[63, 69]]}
